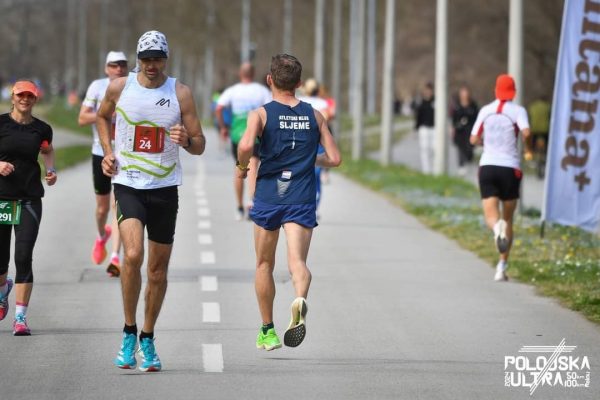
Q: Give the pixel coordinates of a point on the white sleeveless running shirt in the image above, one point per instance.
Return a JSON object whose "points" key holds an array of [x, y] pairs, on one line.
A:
{"points": [[93, 98], [158, 108]]}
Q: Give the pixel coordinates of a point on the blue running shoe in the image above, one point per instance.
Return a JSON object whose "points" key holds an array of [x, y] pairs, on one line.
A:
{"points": [[126, 357], [149, 359], [4, 300]]}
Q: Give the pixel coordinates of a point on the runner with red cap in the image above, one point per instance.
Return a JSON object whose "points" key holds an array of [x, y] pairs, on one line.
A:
{"points": [[497, 128], [22, 138]]}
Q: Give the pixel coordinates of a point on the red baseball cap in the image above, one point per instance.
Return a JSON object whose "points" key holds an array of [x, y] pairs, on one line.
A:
{"points": [[505, 87], [25, 86]]}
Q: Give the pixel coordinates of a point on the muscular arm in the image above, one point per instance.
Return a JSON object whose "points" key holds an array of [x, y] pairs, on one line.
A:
{"points": [[103, 122], [331, 157], [254, 127], [191, 123]]}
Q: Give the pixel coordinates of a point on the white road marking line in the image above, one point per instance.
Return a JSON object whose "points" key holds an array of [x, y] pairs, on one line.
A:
{"points": [[203, 224], [201, 201], [212, 357], [207, 257], [211, 312], [205, 238], [203, 212], [200, 192], [209, 283]]}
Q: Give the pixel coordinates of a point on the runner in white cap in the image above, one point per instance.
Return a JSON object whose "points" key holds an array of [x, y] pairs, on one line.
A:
{"points": [[116, 67], [156, 115]]}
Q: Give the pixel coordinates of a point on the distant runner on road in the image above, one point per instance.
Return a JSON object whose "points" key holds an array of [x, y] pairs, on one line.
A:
{"points": [[156, 115], [497, 127], [242, 98], [22, 138], [290, 132], [116, 67]]}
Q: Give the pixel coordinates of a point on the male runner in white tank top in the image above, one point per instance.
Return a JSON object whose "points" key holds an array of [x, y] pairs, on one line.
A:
{"points": [[155, 117], [116, 67]]}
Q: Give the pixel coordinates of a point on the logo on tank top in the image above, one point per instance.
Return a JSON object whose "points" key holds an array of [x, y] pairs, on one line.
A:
{"points": [[163, 101]]}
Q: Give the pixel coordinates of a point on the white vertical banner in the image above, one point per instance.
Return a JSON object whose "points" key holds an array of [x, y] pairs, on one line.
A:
{"points": [[572, 192]]}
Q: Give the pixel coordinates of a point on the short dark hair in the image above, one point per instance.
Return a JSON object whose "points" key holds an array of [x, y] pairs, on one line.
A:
{"points": [[286, 71]]}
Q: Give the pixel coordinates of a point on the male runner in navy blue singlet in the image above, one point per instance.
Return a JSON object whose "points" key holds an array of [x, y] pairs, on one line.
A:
{"points": [[289, 132]]}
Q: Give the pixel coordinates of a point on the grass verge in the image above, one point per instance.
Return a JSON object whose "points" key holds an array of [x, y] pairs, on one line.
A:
{"points": [[66, 157], [565, 264], [56, 113]]}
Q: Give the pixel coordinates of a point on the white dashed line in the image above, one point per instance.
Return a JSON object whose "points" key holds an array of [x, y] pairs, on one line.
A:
{"points": [[205, 238], [209, 283], [207, 257], [203, 224], [203, 212], [212, 357], [211, 312], [200, 192], [201, 201]]}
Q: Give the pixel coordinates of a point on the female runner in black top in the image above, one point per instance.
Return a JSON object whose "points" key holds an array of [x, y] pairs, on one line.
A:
{"points": [[22, 138]]}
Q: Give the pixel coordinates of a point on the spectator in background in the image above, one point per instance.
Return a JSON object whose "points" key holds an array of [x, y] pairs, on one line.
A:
{"points": [[539, 115], [424, 124], [227, 117], [464, 114]]}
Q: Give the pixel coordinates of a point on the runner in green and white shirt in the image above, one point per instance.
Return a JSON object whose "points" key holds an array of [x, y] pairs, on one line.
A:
{"points": [[242, 98]]}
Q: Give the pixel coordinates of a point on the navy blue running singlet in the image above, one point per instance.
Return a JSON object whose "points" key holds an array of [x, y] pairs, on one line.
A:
{"points": [[288, 150]]}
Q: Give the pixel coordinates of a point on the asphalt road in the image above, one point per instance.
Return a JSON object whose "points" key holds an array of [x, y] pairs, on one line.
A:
{"points": [[396, 311]]}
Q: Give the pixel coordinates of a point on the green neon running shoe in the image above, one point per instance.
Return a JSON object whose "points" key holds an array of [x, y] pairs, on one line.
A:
{"points": [[268, 341]]}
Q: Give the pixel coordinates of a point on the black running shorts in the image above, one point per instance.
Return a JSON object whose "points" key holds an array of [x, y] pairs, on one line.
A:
{"points": [[101, 181], [156, 209], [501, 182]]}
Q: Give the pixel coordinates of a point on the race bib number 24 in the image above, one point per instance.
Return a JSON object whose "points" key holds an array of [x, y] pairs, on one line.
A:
{"points": [[149, 139]]}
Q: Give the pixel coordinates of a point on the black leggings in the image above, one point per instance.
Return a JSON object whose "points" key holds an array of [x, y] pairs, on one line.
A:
{"points": [[26, 234]]}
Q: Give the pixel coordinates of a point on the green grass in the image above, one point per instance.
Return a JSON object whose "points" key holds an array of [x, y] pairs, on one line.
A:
{"points": [[565, 264], [56, 113], [66, 157]]}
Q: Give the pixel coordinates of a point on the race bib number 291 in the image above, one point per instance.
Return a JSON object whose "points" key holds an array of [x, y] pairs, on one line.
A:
{"points": [[10, 212], [149, 139]]}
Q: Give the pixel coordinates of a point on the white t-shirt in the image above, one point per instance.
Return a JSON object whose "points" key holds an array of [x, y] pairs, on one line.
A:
{"points": [[500, 123], [243, 98], [317, 103], [93, 98]]}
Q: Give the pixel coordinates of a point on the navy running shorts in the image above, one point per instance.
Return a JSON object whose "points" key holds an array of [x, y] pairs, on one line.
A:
{"points": [[272, 216]]}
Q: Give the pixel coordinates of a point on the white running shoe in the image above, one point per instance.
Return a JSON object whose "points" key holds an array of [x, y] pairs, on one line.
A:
{"points": [[500, 275], [500, 236]]}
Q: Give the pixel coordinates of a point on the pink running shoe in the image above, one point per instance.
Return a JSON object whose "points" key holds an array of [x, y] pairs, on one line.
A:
{"points": [[20, 327], [4, 300], [99, 252], [113, 269]]}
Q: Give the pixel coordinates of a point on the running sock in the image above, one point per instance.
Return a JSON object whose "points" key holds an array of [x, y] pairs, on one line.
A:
{"points": [[130, 329], [144, 335], [502, 265], [21, 308], [115, 255], [266, 327], [4, 289]]}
